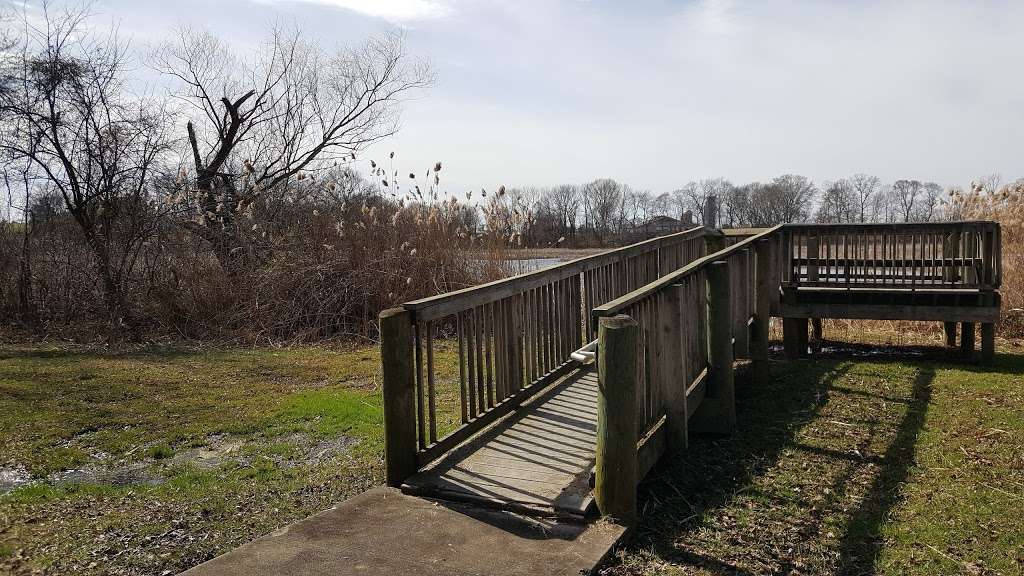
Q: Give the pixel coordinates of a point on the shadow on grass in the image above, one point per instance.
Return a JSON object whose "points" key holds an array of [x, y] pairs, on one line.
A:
{"points": [[682, 497], [861, 543]]}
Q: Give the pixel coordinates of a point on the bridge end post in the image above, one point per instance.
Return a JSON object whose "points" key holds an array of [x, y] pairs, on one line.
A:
{"points": [[398, 362], [717, 413], [616, 470], [762, 310]]}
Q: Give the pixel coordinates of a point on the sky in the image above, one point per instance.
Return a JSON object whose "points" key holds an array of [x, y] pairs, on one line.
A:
{"points": [[658, 93]]}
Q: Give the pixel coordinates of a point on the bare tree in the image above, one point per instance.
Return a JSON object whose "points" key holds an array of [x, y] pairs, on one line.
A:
{"points": [[66, 113], [565, 203], [905, 194], [602, 201], [839, 203], [787, 198], [258, 125], [865, 190]]}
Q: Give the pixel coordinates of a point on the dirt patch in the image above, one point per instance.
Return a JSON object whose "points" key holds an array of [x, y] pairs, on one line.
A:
{"points": [[219, 449]]}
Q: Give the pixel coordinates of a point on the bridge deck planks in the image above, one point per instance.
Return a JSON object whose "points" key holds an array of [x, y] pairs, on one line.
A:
{"points": [[539, 457]]}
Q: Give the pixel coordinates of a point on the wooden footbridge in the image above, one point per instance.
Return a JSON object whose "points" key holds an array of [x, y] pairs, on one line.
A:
{"points": [[492, 395], [518, 411]]}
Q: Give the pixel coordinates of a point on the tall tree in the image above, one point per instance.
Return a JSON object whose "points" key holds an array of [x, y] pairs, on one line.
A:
{"points": [[865, 190], [65, 111], [258, 124]]}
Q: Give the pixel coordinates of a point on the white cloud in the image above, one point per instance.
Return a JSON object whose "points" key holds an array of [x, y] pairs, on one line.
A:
{"points": [[393, 10]]}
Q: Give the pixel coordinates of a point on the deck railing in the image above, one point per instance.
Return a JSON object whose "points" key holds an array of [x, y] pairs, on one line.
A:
{"points": [[677, 310], [939, 255], [473, 355]]}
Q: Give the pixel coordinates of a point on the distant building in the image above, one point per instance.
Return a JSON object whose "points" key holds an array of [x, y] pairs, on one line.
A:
{"points": [[660, 225]]}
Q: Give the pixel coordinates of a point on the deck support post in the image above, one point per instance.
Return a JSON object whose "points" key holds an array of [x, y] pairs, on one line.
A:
{"points": [[988, 342], [397, 358], [717, 413], [988, 334], [950, 329], [967, 340], [816, 335], [762, 310], [618, 365], [794, 337]]}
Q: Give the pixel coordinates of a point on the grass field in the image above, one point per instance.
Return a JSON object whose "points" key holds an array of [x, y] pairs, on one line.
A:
{"points": [[151, 460]]}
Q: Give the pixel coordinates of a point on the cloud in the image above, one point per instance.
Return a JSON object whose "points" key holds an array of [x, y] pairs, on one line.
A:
{"points": [[392, 10]]}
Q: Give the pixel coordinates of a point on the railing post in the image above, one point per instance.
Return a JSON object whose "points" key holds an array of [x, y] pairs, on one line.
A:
{"points": [[741, 334], [618, 366], [717, 413], [675, 381], [397, 358], [714, 241], [763, 278], [812, 255]]}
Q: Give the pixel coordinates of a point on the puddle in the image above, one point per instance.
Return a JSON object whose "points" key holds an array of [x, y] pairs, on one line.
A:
{"points": [[13, 477], [219, 449]]}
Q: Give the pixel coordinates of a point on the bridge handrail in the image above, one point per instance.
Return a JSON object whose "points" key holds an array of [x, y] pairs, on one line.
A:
{"points": [[457, 300], [509, 339], [616, 306]]}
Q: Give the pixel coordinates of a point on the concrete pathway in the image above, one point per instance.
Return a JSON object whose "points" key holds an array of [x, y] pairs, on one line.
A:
{"points": [[385, 532]]}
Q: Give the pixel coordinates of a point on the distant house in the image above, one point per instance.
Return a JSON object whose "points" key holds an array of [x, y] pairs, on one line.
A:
{"points": [[660, 225]]}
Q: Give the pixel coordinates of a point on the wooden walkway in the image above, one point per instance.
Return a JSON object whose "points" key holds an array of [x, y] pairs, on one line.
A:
{"points": [[537, 460]]}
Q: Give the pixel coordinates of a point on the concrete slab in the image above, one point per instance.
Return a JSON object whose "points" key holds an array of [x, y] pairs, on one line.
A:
{"points": [[385, 532]]}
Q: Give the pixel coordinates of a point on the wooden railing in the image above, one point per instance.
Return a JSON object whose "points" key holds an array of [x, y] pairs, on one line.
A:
{"points": [[714, 297], [670, 314], [940, 255], [473, 355]]}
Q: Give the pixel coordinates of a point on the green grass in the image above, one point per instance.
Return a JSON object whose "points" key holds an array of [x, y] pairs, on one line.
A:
{"points": [[148, 413], [842, 465]]}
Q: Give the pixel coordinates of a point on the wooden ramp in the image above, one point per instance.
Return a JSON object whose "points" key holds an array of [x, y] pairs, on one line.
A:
{"points": [[539, 459]]}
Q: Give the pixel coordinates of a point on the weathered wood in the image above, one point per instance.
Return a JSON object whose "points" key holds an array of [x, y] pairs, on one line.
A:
{"points": [[816, 335], [950, 329], [616, 472], [794, 334], [886, 312], [619, 304], [988, 342], [449, 303], [540, 456], [672, 330], [396, 333], [967, 340], [717, 413], [763, 276]]}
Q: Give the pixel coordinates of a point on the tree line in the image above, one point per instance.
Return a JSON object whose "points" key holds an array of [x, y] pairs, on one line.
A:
{"points": [[604, 212], [241, 202]]}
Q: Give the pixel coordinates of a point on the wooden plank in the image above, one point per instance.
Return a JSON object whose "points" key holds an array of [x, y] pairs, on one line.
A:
{"points": [[886, 312], [518, 461]]}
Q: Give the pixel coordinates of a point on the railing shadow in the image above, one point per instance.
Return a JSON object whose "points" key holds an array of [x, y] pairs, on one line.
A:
{"points": [[681, 496], [861, 542]]}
